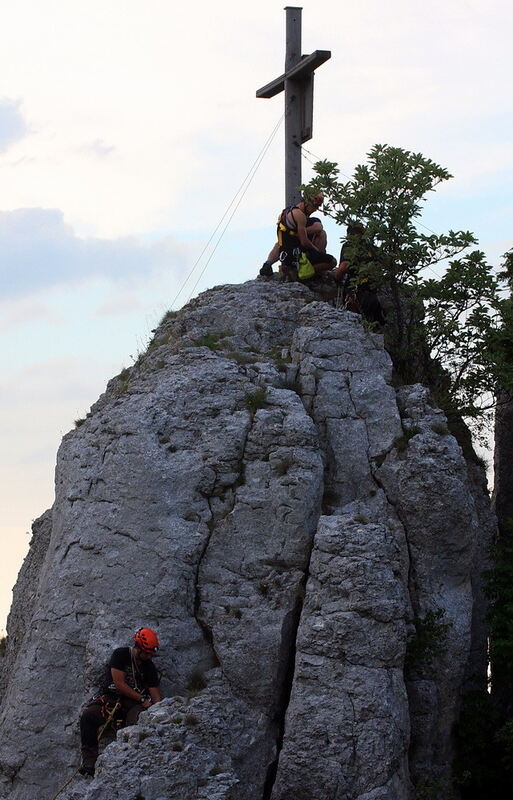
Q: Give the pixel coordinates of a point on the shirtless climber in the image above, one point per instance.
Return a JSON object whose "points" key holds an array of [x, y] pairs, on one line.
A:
{"points": [[299, 232], [131, 685]]}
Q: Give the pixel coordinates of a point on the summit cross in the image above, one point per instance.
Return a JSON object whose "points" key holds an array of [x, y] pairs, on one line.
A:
{"points": [[297, 82]]}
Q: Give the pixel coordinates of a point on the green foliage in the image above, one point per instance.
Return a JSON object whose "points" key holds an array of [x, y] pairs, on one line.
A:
{"points": [[386, 195], [499, 588], [479, 766], [281, 361], [440, 428], [428, 641], [211, 340], [241, 357], [504, 739], [80, 421], [169, 315], [3, 645], [500, 338], [255, 400], [461, 322], [196, 684], [123, 379], [454, 333], [282, 467], [483, 765], [433, 789], [401, 443], [292, 383]]}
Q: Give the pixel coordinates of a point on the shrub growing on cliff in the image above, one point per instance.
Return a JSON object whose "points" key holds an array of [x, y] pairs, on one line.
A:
{"points": [[255, 400], [499, 586], [478, 770], [442, 332], [484, 733], [428, 641]]}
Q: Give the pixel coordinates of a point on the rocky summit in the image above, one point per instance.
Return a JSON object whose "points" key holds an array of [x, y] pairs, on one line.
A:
{"points": [[306, 537]]}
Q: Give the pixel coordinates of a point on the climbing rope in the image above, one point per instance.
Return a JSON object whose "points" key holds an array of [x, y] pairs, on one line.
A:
{"points": [[64, 785], [240, 191], [101, 731], [109, 719]]}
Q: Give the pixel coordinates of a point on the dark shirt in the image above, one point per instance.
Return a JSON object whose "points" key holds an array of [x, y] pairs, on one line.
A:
{"points": [[138, 676]]}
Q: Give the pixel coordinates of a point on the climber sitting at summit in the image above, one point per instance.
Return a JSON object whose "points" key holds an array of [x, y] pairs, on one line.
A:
{"points": [[358, 292], [131, 685], [299, 233]]}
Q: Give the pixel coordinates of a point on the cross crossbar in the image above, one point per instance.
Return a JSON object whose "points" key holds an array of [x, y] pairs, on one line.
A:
{"points": [[306, 66]]}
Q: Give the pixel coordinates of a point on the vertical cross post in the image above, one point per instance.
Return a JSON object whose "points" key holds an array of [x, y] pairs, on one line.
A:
{"points": [[297, 83], [292, 107]]}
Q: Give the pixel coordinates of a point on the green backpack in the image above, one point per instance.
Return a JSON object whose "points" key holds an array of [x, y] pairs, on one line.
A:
{"points": [[305, 269]]}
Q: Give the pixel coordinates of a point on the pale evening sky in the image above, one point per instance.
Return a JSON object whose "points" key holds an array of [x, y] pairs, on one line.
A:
{"points": [[125, 130]]}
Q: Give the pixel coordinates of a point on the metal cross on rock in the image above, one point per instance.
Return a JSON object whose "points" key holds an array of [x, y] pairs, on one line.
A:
{"points": [[297, 81]]}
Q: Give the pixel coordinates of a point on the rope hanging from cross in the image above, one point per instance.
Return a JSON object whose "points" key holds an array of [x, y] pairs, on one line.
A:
{"points": [[297, 83]]}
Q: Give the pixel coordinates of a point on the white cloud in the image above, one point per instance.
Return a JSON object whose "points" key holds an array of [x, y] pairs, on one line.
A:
{"points": [[128, 303], [98, 148], [12, 123], [29, 309], [39, 250]]}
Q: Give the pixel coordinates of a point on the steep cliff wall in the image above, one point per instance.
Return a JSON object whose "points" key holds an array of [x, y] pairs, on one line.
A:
{"points": [[255, 489]]}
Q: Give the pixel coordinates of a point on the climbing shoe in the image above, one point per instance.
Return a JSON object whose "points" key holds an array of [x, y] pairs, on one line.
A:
{"points": [[266, 270]]}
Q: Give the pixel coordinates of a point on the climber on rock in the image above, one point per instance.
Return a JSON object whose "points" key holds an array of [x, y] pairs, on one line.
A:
{"points": [[299, 233], [131, 685], [315, 232], [359, 295]]}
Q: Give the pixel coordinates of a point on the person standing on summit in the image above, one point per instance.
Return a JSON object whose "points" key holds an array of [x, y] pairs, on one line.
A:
{"points": [[131, 686]]}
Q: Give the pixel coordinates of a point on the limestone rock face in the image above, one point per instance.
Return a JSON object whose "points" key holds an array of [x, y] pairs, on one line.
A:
{"points": [[256, 490]]}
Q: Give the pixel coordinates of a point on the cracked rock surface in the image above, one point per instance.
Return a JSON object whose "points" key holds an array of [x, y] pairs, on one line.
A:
{"points": [[255, 489]]}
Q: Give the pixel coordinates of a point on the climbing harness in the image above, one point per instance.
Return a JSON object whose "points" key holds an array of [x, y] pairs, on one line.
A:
{"points": [[294, 264], [109, 719], [283, 229], [289, 268]]}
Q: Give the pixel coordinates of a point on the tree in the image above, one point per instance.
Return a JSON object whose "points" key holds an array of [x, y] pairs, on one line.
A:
{"points": [[440, 331], [501, 344]]}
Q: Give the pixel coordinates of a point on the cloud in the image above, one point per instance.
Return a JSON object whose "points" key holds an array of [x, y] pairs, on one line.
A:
{"points": [[98, 148], [31, 310], [12, 123], [121, 305], [38, 250]]}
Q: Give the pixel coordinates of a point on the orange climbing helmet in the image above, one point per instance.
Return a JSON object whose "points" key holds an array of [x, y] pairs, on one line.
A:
{"points": [[147, 640]]}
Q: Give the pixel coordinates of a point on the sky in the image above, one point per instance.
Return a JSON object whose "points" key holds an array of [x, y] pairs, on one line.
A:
{"points": [[126, 132]]}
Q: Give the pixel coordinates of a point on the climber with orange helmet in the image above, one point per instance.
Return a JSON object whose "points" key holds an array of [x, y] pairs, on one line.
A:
{"points": [[131, 685]]}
